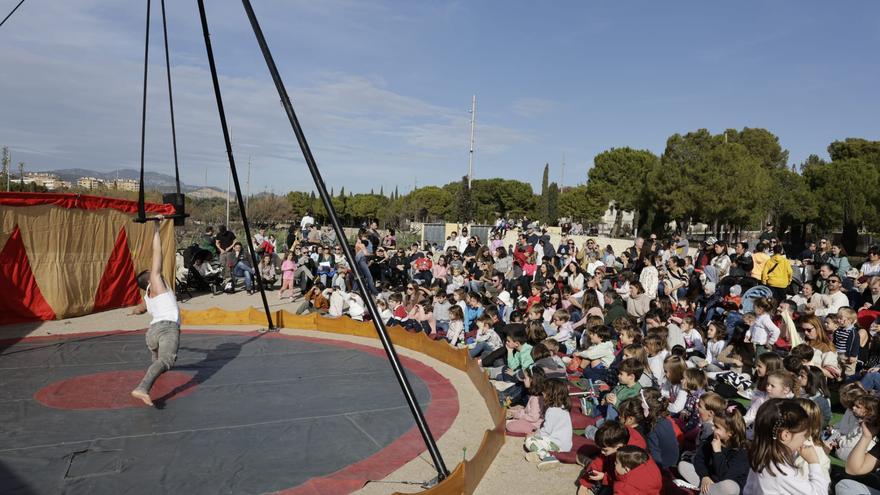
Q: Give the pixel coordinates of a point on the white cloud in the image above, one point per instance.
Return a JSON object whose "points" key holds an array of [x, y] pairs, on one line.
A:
{"points": [[73, 99]]}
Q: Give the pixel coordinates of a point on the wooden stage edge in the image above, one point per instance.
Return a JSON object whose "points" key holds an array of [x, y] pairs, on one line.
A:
{"points": [[467, 475]]}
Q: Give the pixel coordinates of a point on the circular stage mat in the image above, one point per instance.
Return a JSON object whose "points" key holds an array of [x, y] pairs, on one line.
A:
{"points": [[239, 413]]}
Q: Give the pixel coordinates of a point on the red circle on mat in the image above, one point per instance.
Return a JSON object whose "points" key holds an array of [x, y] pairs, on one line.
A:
{"points": [[112, 390]]}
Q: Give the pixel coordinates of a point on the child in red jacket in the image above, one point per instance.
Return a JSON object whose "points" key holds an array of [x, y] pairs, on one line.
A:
{"points": [[637, 473], [610, 438]]}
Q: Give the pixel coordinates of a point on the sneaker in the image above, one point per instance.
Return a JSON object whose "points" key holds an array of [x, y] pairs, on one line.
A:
{"points": [[745, 394], [548, 463], [685, 484], [533, 457]]}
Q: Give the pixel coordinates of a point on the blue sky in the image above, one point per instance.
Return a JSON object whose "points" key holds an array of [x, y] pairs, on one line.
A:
{"points": [[383, 89]]}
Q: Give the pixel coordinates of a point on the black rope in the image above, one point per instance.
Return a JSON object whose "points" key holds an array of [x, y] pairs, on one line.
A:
{"points": [[10, 14], [170, 98], [405, 386], [142, 214], [226, 139]]}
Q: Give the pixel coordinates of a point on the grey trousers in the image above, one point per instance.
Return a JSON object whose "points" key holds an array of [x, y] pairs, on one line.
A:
{"points": [[724, 487], [163, 340]]}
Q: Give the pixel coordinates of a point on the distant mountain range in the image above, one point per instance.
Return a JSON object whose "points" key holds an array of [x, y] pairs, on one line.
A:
{"points": [[153, 180]]}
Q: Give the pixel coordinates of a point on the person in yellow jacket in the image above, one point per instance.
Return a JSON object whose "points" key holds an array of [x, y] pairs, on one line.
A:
{"points": [[777, 273], [759, 259]]}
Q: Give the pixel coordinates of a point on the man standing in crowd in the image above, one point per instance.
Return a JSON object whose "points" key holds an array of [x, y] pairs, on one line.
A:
{"points": [[224, 241], [768, 234]]}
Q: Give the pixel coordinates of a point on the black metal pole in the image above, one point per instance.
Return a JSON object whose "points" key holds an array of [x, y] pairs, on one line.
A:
{"points": [[241, 208], [410, 397]]}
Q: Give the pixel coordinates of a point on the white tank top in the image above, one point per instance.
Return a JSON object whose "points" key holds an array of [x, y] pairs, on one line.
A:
{"points": [[162, 307]]}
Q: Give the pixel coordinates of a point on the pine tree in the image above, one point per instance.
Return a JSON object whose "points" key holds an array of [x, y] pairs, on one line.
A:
{"points": [[342, 192], [544, 203], [396, 194], [464, 208], [552, 203], [382, 191]]}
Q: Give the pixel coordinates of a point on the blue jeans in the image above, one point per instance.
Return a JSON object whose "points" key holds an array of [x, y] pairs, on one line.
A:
{"points": [[871, 382], [242, 270], [364, 269], [479, 349]]}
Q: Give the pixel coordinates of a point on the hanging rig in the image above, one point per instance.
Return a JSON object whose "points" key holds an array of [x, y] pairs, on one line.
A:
{"points": [[393, 358], [177, 198]]}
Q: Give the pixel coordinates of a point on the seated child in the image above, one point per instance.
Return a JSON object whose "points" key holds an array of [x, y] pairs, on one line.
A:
{"points": [[709, 406], [638, 352], [384, 312], [399, 314], [519, 355], [636, 472], [846, 433], [672, 389], [814, 438], [764, 365], [715, 334], [694, 384], [781, 384], [487, 339], [441, 312], [599, 355], [693, 337], [626, 335], [627, 385], [780, 428], [660, 432], [657, 353], [600, 473], [455, 334], [564, 332], [543, 356], [556, 432], [526, 419], [813, 386], [721, 463]]}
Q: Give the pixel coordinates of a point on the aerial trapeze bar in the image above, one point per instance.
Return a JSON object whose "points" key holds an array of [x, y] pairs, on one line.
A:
{"points": [[177, 199], [410, 397]]}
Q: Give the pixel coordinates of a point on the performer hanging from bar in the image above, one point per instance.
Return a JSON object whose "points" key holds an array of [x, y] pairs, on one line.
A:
{"points": [[163, 336]]}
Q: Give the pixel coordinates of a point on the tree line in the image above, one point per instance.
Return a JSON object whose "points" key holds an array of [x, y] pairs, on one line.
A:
{"points": [[736, 180], [731, 181]]}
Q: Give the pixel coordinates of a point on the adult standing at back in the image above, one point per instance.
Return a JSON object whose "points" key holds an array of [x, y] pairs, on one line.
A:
{"points": [[163, 336], [777, 273], [767, 234], [759, 259], [304, 224], [224, 241]]}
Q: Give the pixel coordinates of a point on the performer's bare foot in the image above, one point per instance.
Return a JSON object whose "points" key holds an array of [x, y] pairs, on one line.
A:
{"points": [[143, 396]]}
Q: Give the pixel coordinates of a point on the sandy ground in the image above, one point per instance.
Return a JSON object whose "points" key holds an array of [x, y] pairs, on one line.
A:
{"points": [[508, 471]]}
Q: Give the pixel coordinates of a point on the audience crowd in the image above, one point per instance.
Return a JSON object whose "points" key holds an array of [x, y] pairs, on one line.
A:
{"points": [[660, 369]]}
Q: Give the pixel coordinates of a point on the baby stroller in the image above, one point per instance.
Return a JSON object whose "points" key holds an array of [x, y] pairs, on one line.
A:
{"points": [[194, 257]]}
